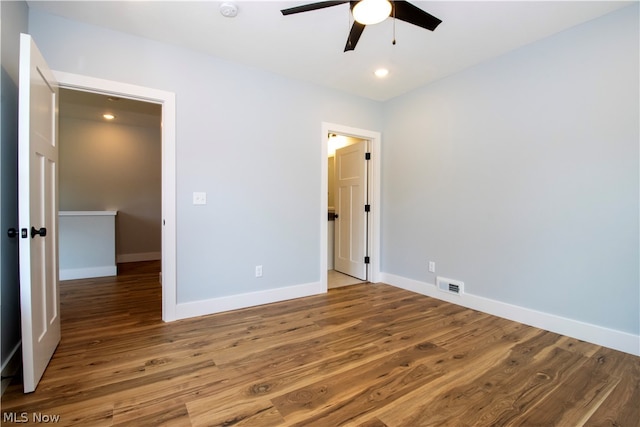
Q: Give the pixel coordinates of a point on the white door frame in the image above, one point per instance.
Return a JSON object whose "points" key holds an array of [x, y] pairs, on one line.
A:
{"points": [[373, 232], [168, 134]]}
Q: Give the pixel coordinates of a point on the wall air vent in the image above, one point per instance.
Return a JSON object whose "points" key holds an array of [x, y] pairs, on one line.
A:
{"points": [[450, 286]]}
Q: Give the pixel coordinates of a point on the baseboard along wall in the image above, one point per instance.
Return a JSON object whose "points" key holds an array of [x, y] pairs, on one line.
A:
{"points": [[11, 366], [87, 272], [250, 299], [611, 338]]}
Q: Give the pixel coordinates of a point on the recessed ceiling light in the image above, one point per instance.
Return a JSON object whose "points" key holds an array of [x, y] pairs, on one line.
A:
{"points": [[109, 116], [381, 72]]}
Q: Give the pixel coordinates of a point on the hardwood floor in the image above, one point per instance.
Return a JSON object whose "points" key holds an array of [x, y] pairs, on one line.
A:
{"points": [[364, 355]]}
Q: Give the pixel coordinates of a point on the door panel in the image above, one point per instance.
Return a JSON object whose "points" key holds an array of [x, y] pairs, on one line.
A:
{"points": [[37, 212], [351, 197]]}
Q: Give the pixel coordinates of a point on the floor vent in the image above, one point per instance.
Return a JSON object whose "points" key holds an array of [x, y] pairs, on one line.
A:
{"points": [[450, 286]]}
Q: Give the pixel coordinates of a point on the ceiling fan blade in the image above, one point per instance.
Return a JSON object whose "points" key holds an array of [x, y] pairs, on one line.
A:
{"points": [[312, 6], [354, 35], [407, 12]]}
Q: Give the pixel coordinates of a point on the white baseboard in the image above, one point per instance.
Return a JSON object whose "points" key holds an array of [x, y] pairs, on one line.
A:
{"points": [[88, 272], [142, 256], [611, 338], [11, 365], [234, 302]]}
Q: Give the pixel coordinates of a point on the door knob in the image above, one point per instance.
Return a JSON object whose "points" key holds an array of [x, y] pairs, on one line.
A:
{"points": [[41, 232], [12, 232], [335, 216]]}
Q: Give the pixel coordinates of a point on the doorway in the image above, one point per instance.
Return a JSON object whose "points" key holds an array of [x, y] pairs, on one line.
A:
{"points": [[168, 135], [109, 184], [373, 224], [348, 196]]}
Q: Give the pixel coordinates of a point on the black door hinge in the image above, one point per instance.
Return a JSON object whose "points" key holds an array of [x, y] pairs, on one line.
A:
{"points": [[367, 208], [367, 156], [366, 260]]}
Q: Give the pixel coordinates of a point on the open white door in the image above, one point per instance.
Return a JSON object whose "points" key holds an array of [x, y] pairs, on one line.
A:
{"points": [[37, 212], [351, 219]]}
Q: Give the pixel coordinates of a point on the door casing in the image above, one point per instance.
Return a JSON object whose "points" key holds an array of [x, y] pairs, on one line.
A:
{"points": [[373, 228], [168, 135]]}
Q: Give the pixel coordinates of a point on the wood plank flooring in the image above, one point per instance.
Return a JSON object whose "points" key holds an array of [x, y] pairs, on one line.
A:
{"points": [[364, 355]]}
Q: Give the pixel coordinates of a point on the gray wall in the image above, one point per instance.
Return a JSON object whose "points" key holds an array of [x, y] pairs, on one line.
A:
{"points": [[110, 166], [14, 21], [241, 133], [520, 176]]}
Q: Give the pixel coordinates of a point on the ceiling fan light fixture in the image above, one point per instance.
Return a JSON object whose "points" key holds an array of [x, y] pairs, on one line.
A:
{"points": [[369, 12]]}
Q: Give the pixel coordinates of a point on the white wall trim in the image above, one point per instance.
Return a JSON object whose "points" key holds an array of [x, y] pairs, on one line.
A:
{"points": [[611, 338], [250, 299], [88, 272], [374, 195], [168, 134], [142, 256], [11, 366]]}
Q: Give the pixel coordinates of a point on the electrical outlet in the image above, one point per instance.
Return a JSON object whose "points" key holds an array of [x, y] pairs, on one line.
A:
{"points": [[432, 267], [258, 271]]}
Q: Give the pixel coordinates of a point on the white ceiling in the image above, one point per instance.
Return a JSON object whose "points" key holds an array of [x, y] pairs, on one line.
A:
{"points": [[309, 46]]}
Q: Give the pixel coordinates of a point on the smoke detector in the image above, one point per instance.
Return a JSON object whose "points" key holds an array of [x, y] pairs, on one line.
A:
{"points": [[229, 10]]}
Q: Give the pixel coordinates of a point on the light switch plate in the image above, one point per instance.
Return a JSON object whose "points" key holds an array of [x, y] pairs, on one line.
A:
{"points": [[199, 198]]}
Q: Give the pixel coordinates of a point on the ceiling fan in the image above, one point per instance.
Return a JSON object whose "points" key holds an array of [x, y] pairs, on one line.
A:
{"points": [[368, 12]]}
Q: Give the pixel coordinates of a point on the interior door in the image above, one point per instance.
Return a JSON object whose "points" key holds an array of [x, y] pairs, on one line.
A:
{"points": [[351, 219], [37, 212]]}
